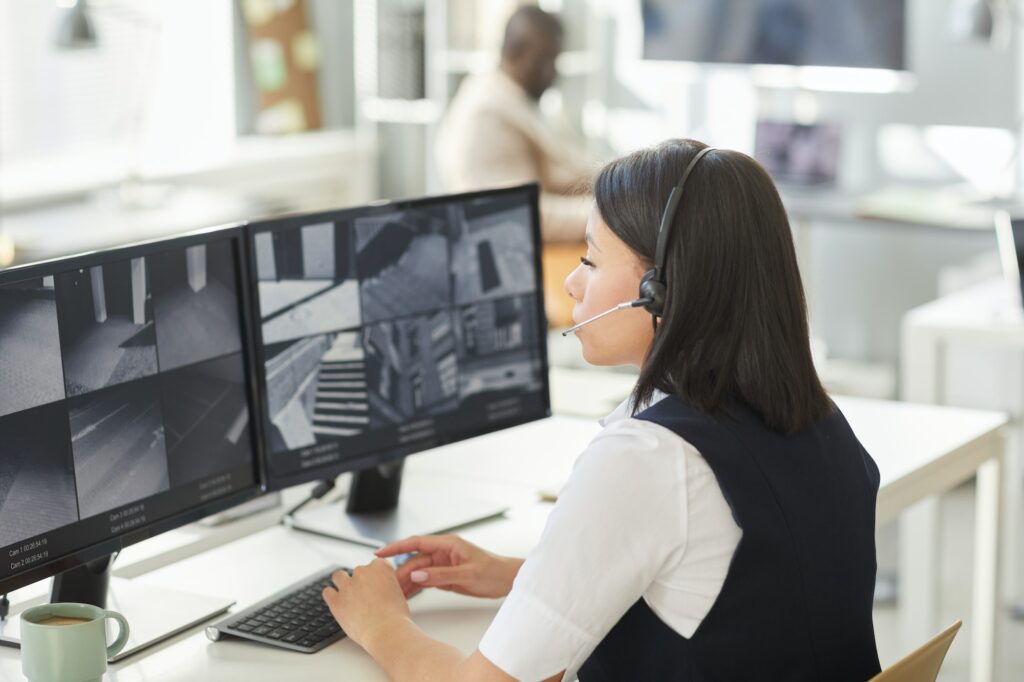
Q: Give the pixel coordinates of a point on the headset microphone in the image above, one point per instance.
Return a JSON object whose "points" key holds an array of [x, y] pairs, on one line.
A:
{"points": [[622, 306]]}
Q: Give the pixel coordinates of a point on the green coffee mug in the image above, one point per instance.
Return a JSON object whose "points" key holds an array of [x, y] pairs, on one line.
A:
{"points": [[68, 642]]}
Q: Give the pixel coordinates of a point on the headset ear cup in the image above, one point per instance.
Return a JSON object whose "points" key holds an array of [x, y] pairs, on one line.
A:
{"points": [[653, 290]]}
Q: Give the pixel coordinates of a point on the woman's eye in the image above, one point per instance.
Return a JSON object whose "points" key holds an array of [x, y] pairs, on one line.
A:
{"points": [[586, 261]]}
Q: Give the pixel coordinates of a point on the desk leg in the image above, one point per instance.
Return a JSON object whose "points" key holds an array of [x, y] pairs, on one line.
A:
{"points": [[985, 606], [1012, 566], [918, 576], [922, 364]]}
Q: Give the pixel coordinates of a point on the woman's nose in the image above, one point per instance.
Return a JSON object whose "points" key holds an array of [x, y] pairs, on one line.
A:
{"points": [[571, 283]]}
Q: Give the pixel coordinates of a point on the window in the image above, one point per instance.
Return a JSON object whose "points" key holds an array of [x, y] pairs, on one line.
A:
{"points": [[155, 95]]}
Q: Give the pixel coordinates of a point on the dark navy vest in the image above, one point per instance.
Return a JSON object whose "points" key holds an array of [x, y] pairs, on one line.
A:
{"points": [[796, 602]]}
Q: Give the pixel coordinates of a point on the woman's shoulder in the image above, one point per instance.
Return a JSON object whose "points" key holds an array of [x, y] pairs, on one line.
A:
{"points": [[630, 449]]}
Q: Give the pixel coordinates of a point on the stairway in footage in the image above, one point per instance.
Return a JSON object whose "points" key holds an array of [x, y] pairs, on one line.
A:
{"points": [[341, 407], [414, 282]]}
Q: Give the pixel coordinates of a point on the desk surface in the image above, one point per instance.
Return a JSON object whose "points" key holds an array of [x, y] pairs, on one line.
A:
{"points": [[988, 311], [914, 445], [921, 449], [950, 208]]}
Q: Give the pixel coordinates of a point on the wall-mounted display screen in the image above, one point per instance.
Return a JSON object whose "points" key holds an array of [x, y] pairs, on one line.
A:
{"points": [[848, 33]]}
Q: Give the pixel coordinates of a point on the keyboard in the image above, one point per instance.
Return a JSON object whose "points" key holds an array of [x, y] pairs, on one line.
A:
{"points": [[295, 618]]}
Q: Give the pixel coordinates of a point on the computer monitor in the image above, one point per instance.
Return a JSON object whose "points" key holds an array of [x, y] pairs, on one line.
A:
{"points": [[1010, 238], [126, 401], [866, 34], [798, 154], [390, 329]]}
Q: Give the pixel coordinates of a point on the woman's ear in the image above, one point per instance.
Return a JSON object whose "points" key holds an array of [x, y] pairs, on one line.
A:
{"points": [[641, 269]]}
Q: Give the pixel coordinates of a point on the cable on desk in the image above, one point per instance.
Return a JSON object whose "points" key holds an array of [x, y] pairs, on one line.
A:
{"points": [[5, 607], [321, 489]]}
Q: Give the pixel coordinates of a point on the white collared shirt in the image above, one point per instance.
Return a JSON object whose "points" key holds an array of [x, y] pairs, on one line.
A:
{"points": [[641, 515]]}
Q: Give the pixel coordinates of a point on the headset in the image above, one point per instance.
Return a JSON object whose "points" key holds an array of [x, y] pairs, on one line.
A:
{"points": [[652, 284]]}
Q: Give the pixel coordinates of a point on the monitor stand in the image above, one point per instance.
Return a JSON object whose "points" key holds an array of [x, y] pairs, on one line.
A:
{"points": [[374, 517], [154, 613]]}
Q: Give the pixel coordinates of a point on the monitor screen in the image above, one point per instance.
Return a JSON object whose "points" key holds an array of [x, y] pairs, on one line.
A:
{"points": [[849, 33], [392, 328], [797, 153], [1018, 251], [125, 400], [1010, 238]]}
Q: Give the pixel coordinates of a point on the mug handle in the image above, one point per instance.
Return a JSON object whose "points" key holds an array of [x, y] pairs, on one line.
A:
{"points": [[122, 635]]}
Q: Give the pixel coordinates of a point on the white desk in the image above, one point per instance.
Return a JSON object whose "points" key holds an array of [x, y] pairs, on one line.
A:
{"points": [[510, 466], [983, 319]]}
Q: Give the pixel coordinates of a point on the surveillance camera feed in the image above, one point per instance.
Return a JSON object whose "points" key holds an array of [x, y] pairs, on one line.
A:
{"points": [[391, 327], [123, 398]]}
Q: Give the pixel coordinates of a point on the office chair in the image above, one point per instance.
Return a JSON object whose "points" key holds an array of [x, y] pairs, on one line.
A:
{"points": [[922, 664]]}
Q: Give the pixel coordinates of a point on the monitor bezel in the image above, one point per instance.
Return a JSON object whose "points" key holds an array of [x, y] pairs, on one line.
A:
{"points": [[234, 232], [391, 454]]}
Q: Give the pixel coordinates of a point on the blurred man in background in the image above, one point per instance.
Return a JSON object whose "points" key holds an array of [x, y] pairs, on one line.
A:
{"points": [[493, 133]]}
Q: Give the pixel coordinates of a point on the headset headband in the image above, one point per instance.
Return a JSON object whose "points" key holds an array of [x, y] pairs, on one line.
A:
{"points": [[670, 213]]}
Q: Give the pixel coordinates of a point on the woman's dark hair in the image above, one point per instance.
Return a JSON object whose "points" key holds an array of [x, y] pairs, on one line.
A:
{"points": [[735, 320]]}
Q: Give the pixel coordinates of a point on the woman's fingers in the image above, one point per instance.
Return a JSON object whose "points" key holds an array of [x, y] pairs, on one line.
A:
{"points": [[340, 578], [417, 562], [332, 595], [409, 588], [417, 543], [442, 576]]}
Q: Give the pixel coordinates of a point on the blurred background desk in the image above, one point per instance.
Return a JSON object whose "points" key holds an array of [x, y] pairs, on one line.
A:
{"points": [[869, 255], [967, 349]]}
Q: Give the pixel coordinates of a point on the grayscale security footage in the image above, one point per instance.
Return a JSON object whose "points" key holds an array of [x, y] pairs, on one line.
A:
{"points": [[411, 367], [316, 387], [107, 331], [402, 260], [492, 255], [117, 438], [206, 419], [37, 476], [196, 304], [496, 339], [120, 381], [307, 282], [373, 321], [30, 365]]}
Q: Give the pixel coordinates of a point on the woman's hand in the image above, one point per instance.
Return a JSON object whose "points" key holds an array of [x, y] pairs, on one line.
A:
{"points": [[450, 563], [367, 603]]}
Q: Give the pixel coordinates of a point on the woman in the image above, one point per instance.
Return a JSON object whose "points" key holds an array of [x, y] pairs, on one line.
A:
{"points": [[721, 526]]}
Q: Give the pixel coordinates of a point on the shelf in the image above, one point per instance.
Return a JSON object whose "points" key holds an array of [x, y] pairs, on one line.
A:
{"points": [[418, 111], [467, 61], [571, 63]]}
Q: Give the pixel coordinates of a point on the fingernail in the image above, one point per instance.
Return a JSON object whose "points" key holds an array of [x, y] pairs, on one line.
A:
{"points": [[418, 576]]}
